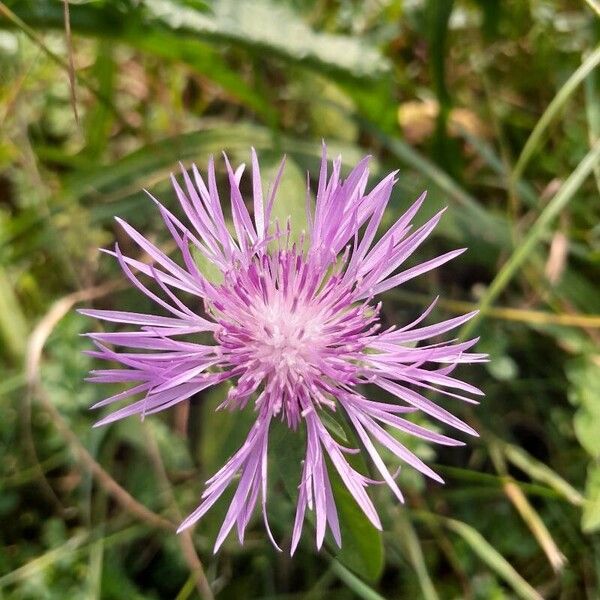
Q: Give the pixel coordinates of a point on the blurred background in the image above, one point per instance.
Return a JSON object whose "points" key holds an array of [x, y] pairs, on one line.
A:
{"points": [[494, 107]]}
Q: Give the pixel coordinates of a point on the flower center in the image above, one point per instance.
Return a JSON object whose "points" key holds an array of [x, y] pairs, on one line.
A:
{"points": [[285, 339], [288, 334]]}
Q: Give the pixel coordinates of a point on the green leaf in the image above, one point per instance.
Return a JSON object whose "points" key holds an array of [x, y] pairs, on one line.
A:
{"points": [[99, 119], [584, 376], [290, 202], [286, 453], [590, 519], [207, 267], [587, 429], [182, 32], [116, 189], [232, 427], [264, 25], [333, 425], [362, 546], [13, 326]]}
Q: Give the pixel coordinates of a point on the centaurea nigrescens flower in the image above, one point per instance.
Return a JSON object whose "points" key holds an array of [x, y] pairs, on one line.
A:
{"points": [[295, 330]]}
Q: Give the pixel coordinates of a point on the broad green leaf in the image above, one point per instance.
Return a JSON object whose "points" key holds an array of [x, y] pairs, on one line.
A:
{"points": [[208, 268], [287, 450], [221, 432], [137, 26], [330, 109], [99, 119], [181, 32], [214, 436], [154, 162], [331, 422], [290, 201], [273, 26], [362, 546], [587, 429]]}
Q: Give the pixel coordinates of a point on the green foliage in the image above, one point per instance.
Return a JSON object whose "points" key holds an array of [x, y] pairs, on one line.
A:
{"points": [[584, 378], [503, 128]]}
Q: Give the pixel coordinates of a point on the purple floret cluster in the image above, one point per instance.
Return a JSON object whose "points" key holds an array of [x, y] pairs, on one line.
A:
{"points": [[295, 329]]}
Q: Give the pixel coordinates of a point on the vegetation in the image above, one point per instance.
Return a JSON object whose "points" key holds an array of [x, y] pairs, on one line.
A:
{"points": [[493, 107]]}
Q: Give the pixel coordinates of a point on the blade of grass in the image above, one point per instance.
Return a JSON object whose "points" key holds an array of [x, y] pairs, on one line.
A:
{"points": [[499, 165], [563, 94], [486, 552], [541, 472], [185, 538], [536, 525], [594, 5], [99, 120], [530, 516], [11, 96], [188, 587], [45, 560], [95, 566], [592, 110], [13, 325], [410, 541], [77, 544], [562, 197], [479, 219], [437, 18], [17, 22], [24, 476], [519, 315], [71, 64], [356, 585], [495, 481]]}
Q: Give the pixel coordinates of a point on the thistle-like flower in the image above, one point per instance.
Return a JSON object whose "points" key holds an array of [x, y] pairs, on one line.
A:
{"points": [[295, 330]]}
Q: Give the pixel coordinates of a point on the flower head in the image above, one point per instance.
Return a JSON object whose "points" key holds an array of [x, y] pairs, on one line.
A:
{"points": [[295, 329]]}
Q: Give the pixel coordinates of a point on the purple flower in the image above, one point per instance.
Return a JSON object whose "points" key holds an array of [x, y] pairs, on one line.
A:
{"points": [[295, 331]]}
